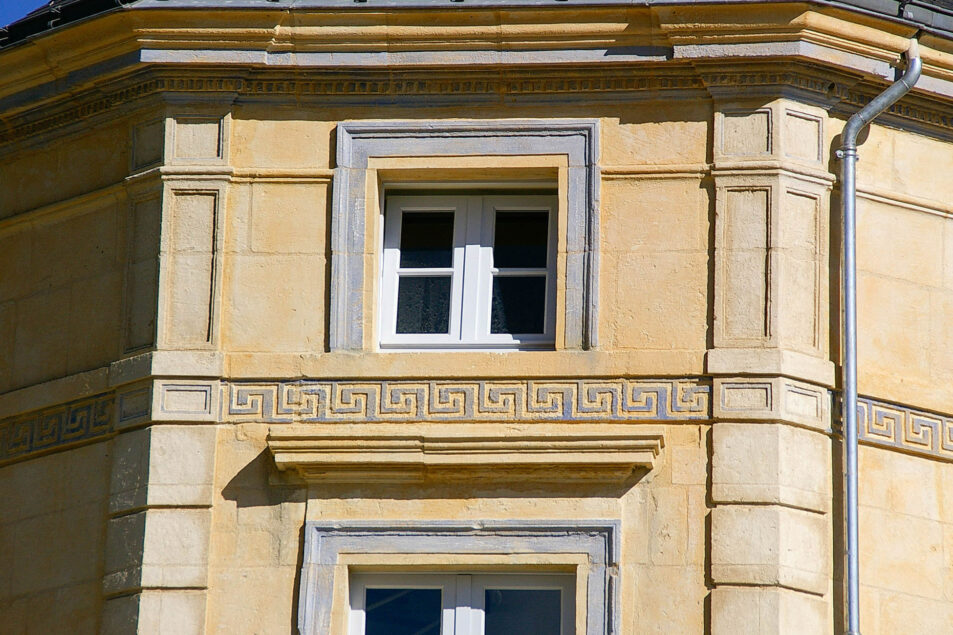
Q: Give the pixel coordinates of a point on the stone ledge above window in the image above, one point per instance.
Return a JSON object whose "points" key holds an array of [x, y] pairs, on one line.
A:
{"points": [[541, 453]]}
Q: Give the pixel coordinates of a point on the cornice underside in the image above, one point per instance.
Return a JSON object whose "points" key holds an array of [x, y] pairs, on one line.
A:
{"points": [[602, 83]]}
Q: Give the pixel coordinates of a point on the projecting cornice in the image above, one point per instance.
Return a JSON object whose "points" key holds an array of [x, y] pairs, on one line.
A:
{"points": [[731, 79], [611, 51]]}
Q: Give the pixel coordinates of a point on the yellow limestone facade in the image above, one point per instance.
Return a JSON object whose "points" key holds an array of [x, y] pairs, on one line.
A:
{"points": [[193, 398]]}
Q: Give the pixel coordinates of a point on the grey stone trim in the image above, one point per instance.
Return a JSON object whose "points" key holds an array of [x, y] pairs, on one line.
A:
{"points": [[510, 400], [578, 139], [407, 59], [906, 429], [62, 426], [325, 542]]}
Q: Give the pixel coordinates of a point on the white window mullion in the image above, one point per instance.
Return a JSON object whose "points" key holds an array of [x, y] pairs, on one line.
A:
{"points": [[484, 289], [477, 607], [462, 616], [448, 611], [471, 269]]}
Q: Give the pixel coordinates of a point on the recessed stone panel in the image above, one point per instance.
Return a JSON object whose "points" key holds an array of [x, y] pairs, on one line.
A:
{"points": [[186, 400], [745, 397], [147, 143], [746, 134], [746, 263], [192, 272], [142, 274], [198, 138], [802, 136], [800, 275]]}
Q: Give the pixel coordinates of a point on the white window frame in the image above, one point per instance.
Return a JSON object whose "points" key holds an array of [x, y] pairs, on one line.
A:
{"points": [[463, 596], [472, 271]]}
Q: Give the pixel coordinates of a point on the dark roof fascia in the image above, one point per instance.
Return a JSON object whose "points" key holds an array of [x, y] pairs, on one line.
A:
{"points": [[933, 16]]}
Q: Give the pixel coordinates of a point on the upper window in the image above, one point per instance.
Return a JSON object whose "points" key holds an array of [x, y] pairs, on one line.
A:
{"points": [[461, 604], [468, 271]]}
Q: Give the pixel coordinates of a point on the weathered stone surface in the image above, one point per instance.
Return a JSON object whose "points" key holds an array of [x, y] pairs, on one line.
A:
{"points": [[167, 243]]}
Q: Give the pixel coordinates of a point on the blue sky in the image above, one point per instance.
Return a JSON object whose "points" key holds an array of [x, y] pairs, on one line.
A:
{"points": [[13, 10]]}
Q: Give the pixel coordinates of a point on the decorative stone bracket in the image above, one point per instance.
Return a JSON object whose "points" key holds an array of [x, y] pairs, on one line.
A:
{"points": [[413, 453]]}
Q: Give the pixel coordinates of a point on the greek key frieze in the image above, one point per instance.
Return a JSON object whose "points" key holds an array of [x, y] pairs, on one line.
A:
{"points": [[82, 420], [910, 430], [549, 400]]}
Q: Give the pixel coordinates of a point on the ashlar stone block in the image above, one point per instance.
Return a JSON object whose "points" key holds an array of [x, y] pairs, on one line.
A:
{"points": [[163, 465], [771, 463], [197, 138], [746, 133], [772, 546], [180, 612], [158, 548], [760, 611]]}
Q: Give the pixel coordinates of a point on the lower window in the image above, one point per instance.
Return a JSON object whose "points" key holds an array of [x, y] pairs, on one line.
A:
{"points": [[461, 604]]}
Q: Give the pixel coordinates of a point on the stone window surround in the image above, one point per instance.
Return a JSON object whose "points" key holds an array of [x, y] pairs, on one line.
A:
{"points": [[357, 142], [327, 545]]}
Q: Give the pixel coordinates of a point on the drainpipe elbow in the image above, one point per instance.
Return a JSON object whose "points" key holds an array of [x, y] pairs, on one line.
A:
{"points": [[883, 101]]}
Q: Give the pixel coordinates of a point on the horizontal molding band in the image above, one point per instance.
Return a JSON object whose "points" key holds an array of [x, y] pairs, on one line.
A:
{"points": [[651, 79], [919, 432], [632, 400], [469, 401]]}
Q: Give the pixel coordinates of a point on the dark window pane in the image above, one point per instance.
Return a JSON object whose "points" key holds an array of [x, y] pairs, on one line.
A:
{"points": [[523, 611], [423, 304], [519, 304], [521, 239], [402, 612], [426, 239]]}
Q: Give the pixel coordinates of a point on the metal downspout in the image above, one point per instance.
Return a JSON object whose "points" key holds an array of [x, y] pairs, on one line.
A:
{"points": [[848, 155]]}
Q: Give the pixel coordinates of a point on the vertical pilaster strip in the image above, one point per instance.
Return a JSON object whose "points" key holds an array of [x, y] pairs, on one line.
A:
{"points": [[161, 492], [770, 542], [192, 240]]}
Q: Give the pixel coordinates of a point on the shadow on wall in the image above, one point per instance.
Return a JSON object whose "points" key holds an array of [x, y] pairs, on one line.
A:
{"points": [[261, 484]]}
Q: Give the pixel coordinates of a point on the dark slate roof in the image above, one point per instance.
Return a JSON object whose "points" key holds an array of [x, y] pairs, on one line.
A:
{"points": [[931, 15]]}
